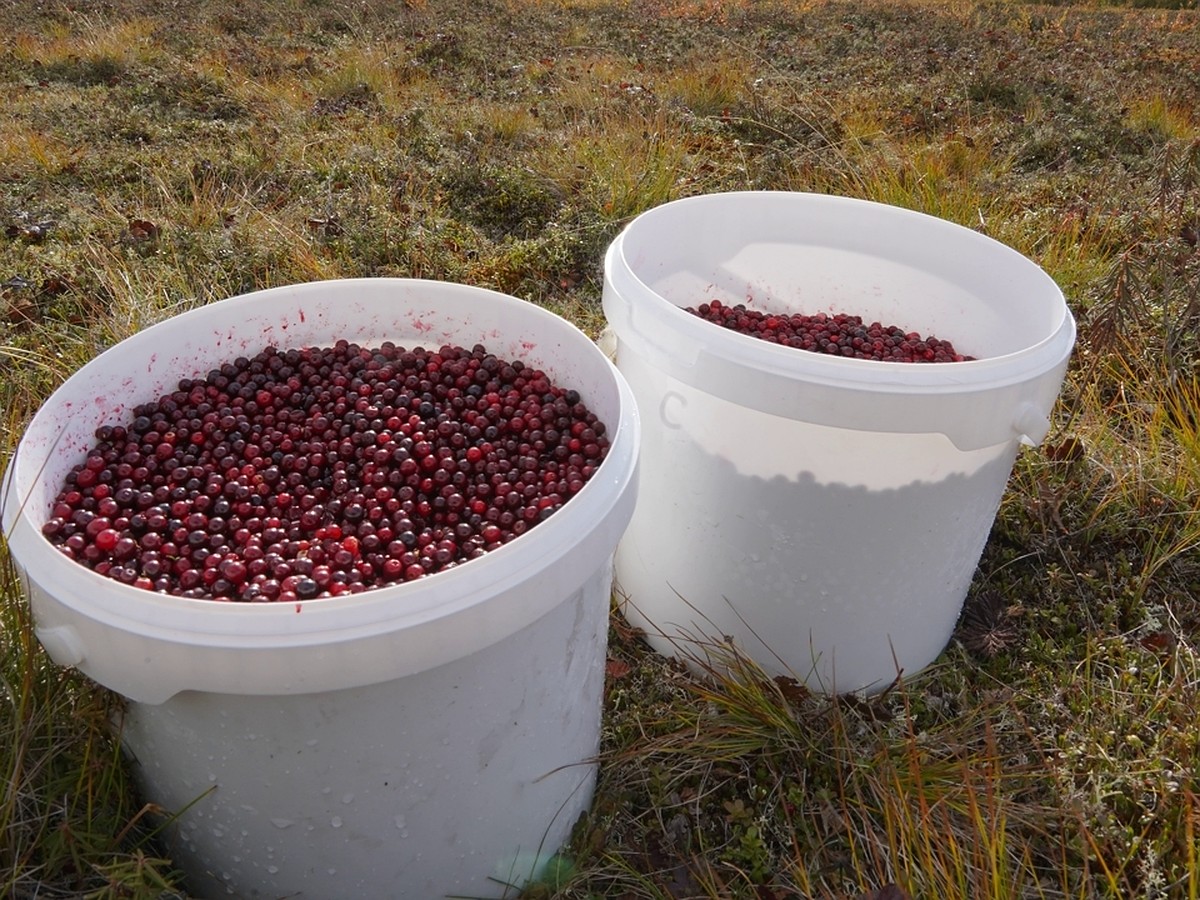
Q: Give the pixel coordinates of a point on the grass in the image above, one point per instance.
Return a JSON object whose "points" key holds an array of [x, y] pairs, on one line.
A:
{"points": [[153, 161]]}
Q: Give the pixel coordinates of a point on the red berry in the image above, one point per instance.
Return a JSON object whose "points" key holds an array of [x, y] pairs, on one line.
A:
{"points": [[325, 471], [839, 335]]}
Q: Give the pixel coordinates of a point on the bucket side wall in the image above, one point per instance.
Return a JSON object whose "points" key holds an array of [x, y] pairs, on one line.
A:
{"points": [[453, 781], [829, 555]]}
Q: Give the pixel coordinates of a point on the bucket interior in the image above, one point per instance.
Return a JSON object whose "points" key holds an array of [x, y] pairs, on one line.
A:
{"points": [[809, 254], [100, 625], [409, 312]]}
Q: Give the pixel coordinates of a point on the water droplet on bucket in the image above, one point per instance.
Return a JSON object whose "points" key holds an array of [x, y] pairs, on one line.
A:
{"points": [[311, 743], [282, 823], [347, 798], [212, 776], [331, 871], [400, 823], [336, 821], [272, 869], [326, 790]]}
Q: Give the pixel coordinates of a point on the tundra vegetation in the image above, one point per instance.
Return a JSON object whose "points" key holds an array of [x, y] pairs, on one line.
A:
{"points": [[155, 157]]}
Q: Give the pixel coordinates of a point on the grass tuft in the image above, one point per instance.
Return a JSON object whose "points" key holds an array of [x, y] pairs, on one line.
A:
{"points": [[158, 159]]}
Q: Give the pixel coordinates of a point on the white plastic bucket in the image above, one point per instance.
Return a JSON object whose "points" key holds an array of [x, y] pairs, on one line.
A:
{"points": [[825, 513], [431, 738]]}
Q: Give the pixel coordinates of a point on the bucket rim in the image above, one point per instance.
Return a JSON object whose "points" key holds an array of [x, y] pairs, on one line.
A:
{"points": [[588, 524], [745, 350]]}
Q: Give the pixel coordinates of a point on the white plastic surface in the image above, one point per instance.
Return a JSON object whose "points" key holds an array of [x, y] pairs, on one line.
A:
{"points": [[429, 739], [812, 253], [456, 781], [826, 513], [150, 646]]}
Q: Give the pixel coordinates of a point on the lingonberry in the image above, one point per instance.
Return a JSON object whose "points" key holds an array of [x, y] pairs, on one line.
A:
{"points": [[836, 335], [328, 471]]}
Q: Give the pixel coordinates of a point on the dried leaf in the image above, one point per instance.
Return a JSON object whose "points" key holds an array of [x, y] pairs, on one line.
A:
{"points": [[142, 231], [1161, 642], [624, 631], [793, 691], [1067, 451], [616, 668]]}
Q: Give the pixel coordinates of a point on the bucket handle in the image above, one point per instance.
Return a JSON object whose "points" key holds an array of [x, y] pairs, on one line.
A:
{"points": [[1031, 424], [62, 643]]}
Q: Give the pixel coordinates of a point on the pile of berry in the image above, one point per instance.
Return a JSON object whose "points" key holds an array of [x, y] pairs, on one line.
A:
{"points": [[324, 471], [837, 335]]}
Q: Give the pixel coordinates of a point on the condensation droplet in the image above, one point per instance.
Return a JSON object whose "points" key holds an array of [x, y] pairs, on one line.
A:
{"points": [[400, 823], [336, 821], [282, 823], [273, 869], [347, 798]]}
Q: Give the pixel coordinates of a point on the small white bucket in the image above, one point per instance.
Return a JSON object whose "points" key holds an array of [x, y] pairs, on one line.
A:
{"points": [[426, 739], [825, 513]]}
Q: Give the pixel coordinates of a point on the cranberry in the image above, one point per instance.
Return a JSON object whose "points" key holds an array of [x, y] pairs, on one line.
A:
{"points": [[327, 471], [838, 335]]}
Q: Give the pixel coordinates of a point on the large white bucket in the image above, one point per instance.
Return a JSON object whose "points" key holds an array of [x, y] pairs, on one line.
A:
{"points": [[431, 738], [825, 513]]}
